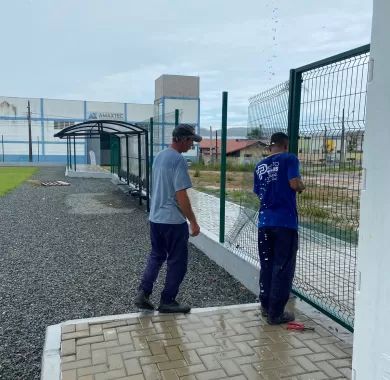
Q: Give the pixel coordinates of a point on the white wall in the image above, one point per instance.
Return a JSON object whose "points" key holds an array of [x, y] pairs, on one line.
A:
{"points": [[18, 106], [139, 112], [14, 125], [371, 358], [188, 109], [189, 113], [58, 109], [105, 110]]}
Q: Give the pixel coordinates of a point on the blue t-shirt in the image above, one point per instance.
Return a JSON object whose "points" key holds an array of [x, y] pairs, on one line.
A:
{"points": [[278, 205], [169, 174]]}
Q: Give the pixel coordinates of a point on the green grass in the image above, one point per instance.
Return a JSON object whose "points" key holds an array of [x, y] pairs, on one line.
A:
{"points": [[231, 166], [12, 177]]}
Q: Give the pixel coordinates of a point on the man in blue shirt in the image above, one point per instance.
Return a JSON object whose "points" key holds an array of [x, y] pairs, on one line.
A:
{"points": [[276, 182], [169, 210]]}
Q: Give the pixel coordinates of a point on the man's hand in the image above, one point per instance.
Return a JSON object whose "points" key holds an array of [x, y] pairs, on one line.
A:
{"points": [[297, 185], [185, 206], [194, 229]]}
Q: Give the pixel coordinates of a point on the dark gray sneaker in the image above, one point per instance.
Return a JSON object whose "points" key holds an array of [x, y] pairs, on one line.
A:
{"points": [[286, 317], [142, 301], [173, 307]]}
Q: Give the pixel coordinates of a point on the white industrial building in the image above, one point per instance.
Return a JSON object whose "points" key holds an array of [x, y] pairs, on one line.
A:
{"points": [[48, 116]]}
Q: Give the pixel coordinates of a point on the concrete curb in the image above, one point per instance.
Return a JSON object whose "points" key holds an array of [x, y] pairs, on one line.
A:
{"points": [[238, 267], [85, 174]]}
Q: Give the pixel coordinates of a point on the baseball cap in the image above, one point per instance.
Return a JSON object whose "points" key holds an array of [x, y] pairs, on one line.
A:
{"points": [[278, 138], [186, 130]]}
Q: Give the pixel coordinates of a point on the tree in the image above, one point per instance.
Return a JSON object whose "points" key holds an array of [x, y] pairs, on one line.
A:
{"points": [[254, 133]]}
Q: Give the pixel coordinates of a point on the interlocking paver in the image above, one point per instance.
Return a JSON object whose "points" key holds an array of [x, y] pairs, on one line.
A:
{"points": [[124, 337], [70, 358], [151, 372], [171, 364], [68, 347], [68, 329], [133, 367], [347, 372], [110, 334], [154, 359], [169, 375], [304, 362], [226, 343], [110, 375], [82, 326], [191, 370], [83, 352], [328, 369], [99, 356], [115, 362], [86, 377], [100, 368], [69, 375], [76, 364], [211, 375]]}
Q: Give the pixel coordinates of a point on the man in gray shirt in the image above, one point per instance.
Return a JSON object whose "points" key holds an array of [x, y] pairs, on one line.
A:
{"points": [[169, 233]]}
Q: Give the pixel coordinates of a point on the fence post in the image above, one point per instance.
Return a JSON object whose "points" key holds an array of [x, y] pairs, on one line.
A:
{"points": [[223, 169], [2, 146], [139, 168], [151, 139], [127, 160], [176, 117], [74, 151], [147, 180], [294, 108]]}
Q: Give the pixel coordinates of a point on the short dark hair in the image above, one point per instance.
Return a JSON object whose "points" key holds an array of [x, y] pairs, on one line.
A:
{"points": [[279, 139]]}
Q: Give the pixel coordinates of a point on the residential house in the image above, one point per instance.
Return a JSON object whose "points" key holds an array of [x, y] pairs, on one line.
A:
{"points": [[239, 150]]}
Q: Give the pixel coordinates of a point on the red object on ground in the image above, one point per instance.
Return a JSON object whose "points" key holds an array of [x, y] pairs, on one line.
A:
{"points": [[298, 326]]}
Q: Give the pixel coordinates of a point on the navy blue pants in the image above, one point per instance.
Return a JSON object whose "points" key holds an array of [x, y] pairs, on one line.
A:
{"points": [[278, 248], [169, 243]]}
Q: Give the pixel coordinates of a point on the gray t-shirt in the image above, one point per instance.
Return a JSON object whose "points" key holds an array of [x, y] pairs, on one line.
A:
{"points": [[170, 174]]}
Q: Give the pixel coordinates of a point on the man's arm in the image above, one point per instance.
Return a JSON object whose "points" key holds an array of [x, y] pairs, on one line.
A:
{"points": [[185, 207], [296, 184]]}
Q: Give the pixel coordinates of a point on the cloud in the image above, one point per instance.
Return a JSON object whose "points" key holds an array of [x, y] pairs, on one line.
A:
{"points": [[113, 51]]}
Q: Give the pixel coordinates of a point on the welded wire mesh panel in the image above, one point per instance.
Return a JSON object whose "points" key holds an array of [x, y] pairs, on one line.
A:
{"points": [[267, 114], [268, 111], [331, 130]]}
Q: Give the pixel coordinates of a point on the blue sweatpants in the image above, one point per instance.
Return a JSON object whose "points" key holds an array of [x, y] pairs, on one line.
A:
{"points": [[169, 243], [278, 248]]}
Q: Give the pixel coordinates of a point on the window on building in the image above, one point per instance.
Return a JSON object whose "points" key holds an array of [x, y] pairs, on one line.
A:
{"points": [[59, 124]]}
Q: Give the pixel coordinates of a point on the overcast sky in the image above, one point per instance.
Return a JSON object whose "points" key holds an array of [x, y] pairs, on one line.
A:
{"points": [[113, 50]]}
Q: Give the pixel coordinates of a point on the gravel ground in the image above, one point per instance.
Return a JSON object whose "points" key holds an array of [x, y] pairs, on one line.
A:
{"points": [[77, 252]]}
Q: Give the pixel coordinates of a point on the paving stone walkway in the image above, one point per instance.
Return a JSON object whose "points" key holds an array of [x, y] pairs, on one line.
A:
{"points": [[224, 343]]}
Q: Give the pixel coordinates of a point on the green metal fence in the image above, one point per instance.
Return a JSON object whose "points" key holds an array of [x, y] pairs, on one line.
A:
{"points": [[322, 108], [327, 111]]}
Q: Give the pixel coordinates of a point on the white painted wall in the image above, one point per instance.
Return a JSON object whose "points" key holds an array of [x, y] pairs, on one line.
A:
{"points": [[62, 109], [189, 113], [139, 112], [18, 106], [188, 109], [371, 357], [14, 126]]}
